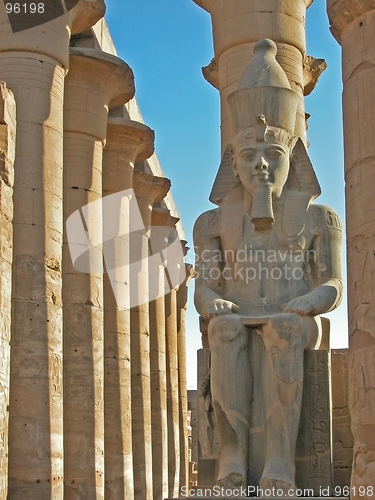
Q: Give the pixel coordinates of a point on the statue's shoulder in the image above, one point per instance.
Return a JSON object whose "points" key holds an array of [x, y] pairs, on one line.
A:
{"points": [[208, 223], [322, 217]]}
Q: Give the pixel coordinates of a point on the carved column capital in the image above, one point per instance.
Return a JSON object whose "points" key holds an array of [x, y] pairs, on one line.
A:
{"points": [[149, 189], [50, 38], [182, 294], [133, 139], [242, 21], [128, 141], [163, 217], [96, 82], [341, 13], [236, 27], [85, 14]]}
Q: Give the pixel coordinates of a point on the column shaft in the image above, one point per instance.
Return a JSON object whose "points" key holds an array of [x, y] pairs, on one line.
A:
{"points": [[159, 394], [33, 63], [127, 141], [89, 92], [148, 189], [83, 333], [182, 374], [163, 219], [35, 406], [353, 24], [173, 400], [7, 154]]}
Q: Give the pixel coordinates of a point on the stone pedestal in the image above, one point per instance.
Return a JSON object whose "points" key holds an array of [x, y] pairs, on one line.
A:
{"points": [[353, 25], [127, 142], [96, 82], [7, 155], [148, 189], [33, 63], [236, 27]]}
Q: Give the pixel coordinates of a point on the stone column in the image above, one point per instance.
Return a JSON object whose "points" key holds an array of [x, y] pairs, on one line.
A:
{"points": [[33, 63], [162, 218], [95, 83], [237, 26], [127, 142], [353, 25], [7, 155], [182, 296], [173, 400], [148, 189]]}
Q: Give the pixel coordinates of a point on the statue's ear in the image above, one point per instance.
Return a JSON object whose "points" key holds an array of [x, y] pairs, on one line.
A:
{"points": [[226, 178], [233, 159]]}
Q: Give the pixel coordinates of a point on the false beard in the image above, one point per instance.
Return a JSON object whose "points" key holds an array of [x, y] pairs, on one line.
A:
{"points": [[261, 211]]}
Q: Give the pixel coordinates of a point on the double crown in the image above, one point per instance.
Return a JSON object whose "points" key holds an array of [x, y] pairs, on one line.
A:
{"points": [[263, 96]]}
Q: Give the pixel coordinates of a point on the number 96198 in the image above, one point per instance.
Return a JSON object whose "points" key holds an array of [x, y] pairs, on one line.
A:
{"points": [[17, 8]]}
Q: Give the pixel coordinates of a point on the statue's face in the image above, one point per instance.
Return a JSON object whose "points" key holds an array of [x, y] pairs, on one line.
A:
{"points": [[260, 163]]}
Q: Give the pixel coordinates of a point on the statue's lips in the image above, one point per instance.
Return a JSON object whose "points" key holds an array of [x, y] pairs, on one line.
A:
{"points": [[264, 176]]}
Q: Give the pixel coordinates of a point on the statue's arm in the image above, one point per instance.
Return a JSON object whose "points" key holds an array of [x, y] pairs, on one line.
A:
{"points": [[326, 267], [209, 281]]}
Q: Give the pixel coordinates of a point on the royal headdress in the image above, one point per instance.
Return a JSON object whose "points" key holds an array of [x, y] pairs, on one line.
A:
{"points": [[265, 104]]}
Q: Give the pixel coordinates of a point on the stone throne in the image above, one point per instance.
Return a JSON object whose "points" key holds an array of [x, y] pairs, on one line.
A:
{"points": [[314, 443], [264, 384]]}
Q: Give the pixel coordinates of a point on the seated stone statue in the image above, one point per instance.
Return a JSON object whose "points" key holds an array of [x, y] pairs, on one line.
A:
{"points": [[268, 264]]}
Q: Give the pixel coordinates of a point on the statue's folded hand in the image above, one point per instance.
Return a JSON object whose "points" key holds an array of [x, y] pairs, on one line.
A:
{"points": [[320, 300], [219, 307]]}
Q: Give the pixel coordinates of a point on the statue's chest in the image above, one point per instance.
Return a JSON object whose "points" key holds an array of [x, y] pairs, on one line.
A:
{"points": [[262, 269], [242, 243]]}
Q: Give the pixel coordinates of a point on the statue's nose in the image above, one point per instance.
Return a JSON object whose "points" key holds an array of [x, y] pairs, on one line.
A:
{"points": [[261, 164]]}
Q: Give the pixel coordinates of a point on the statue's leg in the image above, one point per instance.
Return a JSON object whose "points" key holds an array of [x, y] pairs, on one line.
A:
{"points": [[286, 336], [231, 394]]}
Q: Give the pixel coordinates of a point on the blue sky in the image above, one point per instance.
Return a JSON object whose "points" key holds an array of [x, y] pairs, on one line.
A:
{"points": [[166, 42]]}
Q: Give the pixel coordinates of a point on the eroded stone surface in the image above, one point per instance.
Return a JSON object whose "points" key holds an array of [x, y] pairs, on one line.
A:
{"points": [[7, 155]]}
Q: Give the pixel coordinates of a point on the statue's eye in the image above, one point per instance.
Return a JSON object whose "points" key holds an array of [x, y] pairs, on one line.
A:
{"points": [[248, 155], [274, 153]]}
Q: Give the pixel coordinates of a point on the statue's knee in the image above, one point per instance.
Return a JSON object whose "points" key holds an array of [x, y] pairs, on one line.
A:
{"points": [[283, 331], [225, 328]]}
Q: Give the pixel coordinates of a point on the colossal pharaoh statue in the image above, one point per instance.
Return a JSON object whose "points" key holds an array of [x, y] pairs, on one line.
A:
{"points": [[268, 264]]}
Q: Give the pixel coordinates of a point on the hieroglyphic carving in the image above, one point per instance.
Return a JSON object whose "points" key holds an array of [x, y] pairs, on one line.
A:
{"points": [[313, 455]]}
